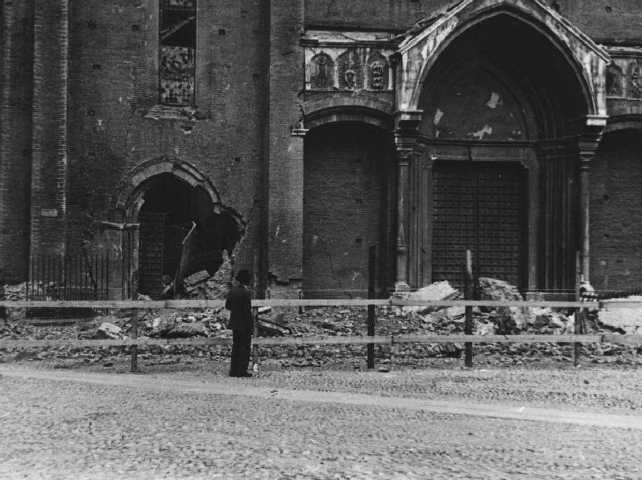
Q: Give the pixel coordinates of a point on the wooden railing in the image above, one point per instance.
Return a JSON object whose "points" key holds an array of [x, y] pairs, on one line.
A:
{"points": [[371, 339]]}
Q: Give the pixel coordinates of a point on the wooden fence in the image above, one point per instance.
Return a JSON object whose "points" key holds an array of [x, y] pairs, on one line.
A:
{"points": [[371, 339]]}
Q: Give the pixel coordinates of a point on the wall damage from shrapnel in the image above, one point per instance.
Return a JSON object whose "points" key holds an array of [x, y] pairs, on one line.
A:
{"points": [[179, 140]]}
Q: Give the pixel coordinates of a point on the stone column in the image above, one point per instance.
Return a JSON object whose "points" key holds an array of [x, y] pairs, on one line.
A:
{"points": [[49, 143], [403, 217], [588, 144], [406, 142]]}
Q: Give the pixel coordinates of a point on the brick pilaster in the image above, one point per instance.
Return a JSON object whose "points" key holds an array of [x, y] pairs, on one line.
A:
{"points": [[15, 137], [49, 145], [285, 250]]}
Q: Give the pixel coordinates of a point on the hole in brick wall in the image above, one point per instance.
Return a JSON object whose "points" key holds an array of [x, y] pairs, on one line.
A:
{"points": [[91, 25], [135, 28], [97, 66], [170, 208], [237, 159], [221, 31], [91, 112], [358, 241], [608, 9], [605, 197]]}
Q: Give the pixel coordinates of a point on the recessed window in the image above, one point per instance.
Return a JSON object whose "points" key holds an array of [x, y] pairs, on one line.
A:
{"points": [[177, 52]]}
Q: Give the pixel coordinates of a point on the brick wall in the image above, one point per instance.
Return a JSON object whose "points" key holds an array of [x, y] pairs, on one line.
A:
{"points": [[113, 86], [16, 86], [344, 209], [601, 19], [616, 212], [49, 141], [285, 150]]}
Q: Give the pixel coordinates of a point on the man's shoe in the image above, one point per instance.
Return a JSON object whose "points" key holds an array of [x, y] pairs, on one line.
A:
{"points": [[246, 374]]}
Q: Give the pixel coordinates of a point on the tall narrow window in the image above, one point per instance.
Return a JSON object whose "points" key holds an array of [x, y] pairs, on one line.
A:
{"points": [[177, 51]]}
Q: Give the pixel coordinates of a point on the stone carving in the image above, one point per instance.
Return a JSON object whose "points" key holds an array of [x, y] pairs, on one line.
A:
{"points": [[635, 87], [614, 79], [350, 77], [350, 70], [321, 72], [378, 72]]}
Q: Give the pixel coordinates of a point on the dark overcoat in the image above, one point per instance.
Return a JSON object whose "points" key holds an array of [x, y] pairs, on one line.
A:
{"points": [[239, 303]]}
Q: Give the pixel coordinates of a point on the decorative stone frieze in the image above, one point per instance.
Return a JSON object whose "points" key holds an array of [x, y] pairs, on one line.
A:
{"points": [[347, 61], [623, 75]]}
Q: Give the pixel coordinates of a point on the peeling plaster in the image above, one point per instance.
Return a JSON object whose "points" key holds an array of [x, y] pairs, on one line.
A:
{"points": [[479, 135], [494, 101], [438, 116]]}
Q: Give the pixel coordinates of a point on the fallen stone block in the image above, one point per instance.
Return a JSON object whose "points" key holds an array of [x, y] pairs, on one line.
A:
{"points": [[434, 292], [186, 330], [108, 330]]}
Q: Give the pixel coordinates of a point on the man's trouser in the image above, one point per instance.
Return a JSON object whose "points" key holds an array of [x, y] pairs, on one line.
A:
{"points": [[241, 343]]}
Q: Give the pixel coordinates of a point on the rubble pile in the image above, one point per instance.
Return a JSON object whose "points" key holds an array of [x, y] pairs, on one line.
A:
{"points": [[329, 321], [622, 320], [202, 285], [507, 320], [14, 293]]}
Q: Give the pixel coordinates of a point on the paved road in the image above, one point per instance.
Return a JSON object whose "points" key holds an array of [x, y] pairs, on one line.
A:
{"points": [[71, 424]]}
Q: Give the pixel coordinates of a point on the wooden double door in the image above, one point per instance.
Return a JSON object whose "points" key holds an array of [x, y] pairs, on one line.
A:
{"points": [[481, 206]]}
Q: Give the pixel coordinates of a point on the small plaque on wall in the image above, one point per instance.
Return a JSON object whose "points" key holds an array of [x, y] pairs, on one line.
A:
{"points": [[49, 212]]}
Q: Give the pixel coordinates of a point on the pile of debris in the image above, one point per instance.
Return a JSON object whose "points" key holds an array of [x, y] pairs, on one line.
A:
{"points": [[211, 322], [202, 285], [487, 320], [625, 319]]}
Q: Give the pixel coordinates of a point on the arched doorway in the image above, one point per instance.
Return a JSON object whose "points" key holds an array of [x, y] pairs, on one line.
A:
{"points": [[347, 176], [181, 232], [499, 169], [616, 212]]}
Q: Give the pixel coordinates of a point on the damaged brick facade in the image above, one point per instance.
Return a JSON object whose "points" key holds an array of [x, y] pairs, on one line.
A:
{"points": [[311, 130]]}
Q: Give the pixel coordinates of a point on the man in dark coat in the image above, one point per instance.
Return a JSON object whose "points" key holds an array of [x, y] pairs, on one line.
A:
{"points": [[239, 303]]}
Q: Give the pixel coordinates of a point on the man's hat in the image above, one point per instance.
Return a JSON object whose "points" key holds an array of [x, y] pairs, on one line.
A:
{"points": [[243, 276]]}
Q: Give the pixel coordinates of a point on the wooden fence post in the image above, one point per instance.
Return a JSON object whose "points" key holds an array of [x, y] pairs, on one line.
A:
{"points": [[468, 295], [577, 347], [134, 348], [372, 262]]}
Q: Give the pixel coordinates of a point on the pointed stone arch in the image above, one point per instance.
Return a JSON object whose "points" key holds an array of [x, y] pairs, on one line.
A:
{"points": [[429, 38]]}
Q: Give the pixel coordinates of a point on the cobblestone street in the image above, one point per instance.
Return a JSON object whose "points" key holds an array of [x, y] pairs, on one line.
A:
{"points": [[61, 424]]}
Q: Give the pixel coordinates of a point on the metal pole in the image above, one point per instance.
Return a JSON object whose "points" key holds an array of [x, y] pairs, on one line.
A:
{"points": [[372, 258], [469, 289]]}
